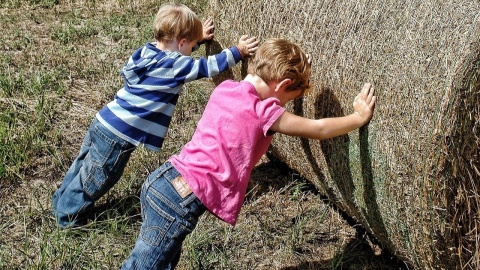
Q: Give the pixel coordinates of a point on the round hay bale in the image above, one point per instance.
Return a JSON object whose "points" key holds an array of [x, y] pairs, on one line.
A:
{"points": [[411, 177]]}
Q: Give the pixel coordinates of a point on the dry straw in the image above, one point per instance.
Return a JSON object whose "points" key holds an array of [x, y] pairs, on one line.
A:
{"points": [[411, 177]]}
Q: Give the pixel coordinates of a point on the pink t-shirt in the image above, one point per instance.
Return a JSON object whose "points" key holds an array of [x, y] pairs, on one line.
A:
{"points": [[230, 139]]}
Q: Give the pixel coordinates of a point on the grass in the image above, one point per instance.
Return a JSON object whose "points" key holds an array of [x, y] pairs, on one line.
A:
{"points": [[59, 64]]}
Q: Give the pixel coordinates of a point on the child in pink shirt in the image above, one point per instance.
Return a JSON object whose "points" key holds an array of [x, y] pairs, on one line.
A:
{"points": [[212, 170]]}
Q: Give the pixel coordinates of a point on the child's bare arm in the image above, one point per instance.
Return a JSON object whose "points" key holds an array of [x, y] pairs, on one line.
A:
{"points": [[247, 46], [364, 104]]}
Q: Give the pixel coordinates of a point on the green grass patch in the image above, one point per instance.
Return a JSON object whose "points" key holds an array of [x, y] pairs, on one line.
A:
{"points": [[35, 3]]}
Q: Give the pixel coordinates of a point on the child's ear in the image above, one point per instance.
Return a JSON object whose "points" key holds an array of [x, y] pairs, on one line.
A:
{"points": [[283, 84], [182, 41]]}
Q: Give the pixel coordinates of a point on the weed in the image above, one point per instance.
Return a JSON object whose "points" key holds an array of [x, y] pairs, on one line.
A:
{"points": [[70, 33]]}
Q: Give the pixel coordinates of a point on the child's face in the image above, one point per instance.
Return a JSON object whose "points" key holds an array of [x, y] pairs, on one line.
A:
{"points": [[186, 47]]}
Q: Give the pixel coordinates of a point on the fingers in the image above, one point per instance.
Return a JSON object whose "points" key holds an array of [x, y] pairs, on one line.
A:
{"points": [[369, 93], [208, 29], [248, 45], [251, 40], [247, 40], [208, 22], [208, 36], [366, 98], [252, 46], [208, 26], [251, 51], [252, 43], [373, 102], [366, 89], [370, 97]]}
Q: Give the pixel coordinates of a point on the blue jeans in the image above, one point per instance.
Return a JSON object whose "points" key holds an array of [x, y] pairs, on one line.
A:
{"points": [[97, 168], [167, 220]]}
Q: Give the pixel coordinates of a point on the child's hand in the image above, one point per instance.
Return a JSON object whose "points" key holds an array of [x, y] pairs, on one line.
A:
{"points": [[247, 46], [309, 60], [364, 103], [208, 28]]}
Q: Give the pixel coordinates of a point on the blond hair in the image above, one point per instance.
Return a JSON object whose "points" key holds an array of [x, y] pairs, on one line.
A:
{"points": [[176, 21], [278, 59]]}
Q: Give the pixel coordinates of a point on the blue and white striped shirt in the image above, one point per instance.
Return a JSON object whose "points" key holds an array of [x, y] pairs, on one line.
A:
{"points": [[142, 110]]}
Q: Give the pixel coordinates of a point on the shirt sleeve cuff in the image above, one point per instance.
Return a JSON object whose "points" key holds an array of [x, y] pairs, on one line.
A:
{"points": [[237, 55]]}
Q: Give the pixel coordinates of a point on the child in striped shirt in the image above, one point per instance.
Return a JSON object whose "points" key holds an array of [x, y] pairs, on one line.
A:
{"points": [[142, 110]]}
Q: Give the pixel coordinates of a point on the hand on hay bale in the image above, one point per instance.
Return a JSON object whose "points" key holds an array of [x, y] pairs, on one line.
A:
{"points": [[208, 29], [364, 103], [325, 128], [247, 46]]}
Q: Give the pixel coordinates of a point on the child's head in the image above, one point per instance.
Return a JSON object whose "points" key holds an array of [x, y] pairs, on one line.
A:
{"points": [[278, 59], [175, 22]]}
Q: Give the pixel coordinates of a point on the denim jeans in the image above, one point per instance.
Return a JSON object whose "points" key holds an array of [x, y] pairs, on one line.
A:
{"points": [[97, 168], [167, 219]]}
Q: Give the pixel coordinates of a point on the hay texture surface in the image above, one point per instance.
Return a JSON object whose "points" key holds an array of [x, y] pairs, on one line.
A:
{"points": [[411, 177]]}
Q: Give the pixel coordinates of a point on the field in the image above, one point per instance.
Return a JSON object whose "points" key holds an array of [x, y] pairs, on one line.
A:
{"points": [[59, 64]]}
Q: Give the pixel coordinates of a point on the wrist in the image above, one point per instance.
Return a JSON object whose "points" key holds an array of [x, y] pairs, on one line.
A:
{"points": [[361, 117], [240, 51]]}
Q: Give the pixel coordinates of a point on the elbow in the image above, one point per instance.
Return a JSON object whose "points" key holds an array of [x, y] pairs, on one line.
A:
{"points": [[320, 131]]}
